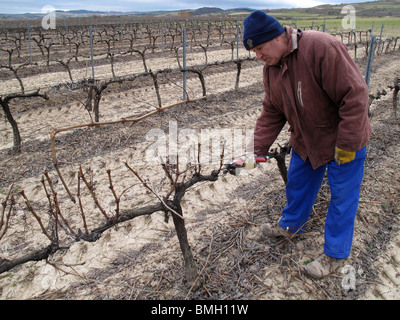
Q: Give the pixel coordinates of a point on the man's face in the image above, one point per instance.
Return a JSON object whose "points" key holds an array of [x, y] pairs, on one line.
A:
{"points": [[270, 52]]}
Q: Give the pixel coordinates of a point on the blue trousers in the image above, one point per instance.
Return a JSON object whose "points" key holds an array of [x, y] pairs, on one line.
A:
{"points": [[302, 189]]}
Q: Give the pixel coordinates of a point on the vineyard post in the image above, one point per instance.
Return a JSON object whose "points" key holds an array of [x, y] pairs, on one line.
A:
{"points": [[30, 47], [91, 50], [162, 36], [370, 59], [122, 38], [237, 40], [184, 61], [380, 39], [372, 30]]}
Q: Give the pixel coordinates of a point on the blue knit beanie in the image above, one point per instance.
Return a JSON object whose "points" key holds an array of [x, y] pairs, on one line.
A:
{"points": [[259, 28]]}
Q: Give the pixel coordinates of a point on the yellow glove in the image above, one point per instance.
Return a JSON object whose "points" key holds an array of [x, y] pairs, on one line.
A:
{"points": [[343, 156]]}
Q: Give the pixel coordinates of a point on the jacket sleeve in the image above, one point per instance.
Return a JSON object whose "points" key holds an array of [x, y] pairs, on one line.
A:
{"points": [[346, 87], [268, 125]]}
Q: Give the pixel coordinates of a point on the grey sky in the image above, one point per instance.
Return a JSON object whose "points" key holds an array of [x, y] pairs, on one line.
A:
{"points": [[25, 6]]}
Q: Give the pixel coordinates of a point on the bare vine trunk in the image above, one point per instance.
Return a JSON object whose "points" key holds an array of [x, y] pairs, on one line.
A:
{"points": [[191, 272], [395, 96], [5, 105], [14, 125]]}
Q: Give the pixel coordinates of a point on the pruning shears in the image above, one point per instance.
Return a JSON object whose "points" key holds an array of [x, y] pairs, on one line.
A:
{"points": [[240, 164]]}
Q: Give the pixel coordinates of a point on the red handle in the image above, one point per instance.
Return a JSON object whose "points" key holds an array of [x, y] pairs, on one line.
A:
{"points": [[261, 159]]}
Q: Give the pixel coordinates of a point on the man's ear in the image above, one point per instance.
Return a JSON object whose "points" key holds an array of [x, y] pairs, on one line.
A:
{"points": [[281, 37]]}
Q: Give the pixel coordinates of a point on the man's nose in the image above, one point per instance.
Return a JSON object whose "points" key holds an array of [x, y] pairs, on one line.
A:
{"points": [[259, 55]]}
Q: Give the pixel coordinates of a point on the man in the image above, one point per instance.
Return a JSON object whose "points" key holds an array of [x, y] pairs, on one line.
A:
{"points": [[312, 83]]}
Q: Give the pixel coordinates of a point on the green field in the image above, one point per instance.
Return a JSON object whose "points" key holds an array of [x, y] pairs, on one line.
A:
{"points": [[391, 26], [368, 14]]}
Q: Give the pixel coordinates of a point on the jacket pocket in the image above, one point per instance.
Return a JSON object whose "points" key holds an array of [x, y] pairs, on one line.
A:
{"points": [[299, 95]]}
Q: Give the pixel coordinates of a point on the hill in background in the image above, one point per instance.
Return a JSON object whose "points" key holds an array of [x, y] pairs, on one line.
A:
{"points": [[381, 8]]}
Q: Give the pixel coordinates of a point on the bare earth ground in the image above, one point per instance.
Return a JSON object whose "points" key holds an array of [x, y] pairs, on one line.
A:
{"points": [[141, 259]]}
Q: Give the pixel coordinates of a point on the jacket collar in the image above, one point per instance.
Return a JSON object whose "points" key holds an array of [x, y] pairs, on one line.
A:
{"points": [[293, 37], [293, 40]]}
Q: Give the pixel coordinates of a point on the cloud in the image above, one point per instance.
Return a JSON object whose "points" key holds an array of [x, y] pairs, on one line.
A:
{"points": [[23, 6]]}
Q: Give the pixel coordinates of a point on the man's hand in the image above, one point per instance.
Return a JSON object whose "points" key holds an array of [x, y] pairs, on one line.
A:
{"points": [[343, 156], [247, 161]]}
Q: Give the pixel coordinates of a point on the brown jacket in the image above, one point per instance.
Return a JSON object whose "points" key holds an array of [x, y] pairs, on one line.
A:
{"points": [[320, 92]]}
